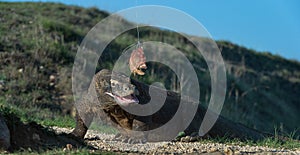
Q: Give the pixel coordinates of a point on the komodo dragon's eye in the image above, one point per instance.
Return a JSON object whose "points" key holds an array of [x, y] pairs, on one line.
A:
{"points": [[113, 83]]}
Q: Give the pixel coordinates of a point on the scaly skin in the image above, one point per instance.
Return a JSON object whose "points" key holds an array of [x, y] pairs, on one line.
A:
{"points": [[107, 106]]}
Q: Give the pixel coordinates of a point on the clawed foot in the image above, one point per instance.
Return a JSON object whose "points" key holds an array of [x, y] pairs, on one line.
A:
{"points": [[188, 138], [131, 139]]}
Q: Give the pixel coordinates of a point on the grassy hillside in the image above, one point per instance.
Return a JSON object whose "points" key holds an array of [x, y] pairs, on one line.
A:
{"points": [[38, 42]]}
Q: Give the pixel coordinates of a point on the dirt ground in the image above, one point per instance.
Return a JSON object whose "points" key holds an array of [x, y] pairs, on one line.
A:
{"points": [[34, 137]]}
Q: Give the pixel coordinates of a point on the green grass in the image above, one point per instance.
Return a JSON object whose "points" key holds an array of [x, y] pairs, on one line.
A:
{"points": [[273, 142], [267, 142], [42, 116]]}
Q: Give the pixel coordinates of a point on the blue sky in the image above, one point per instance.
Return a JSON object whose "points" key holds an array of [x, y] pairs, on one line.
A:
{"points": [[263, 25]]}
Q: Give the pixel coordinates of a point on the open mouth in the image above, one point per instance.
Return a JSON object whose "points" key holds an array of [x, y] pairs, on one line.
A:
{"points": [[125, 100]]}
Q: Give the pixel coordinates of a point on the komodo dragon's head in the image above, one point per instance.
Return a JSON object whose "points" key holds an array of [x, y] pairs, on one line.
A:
{"points": [[115, 87]]}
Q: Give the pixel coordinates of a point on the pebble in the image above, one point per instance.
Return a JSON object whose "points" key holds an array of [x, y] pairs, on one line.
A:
{"points": [[52, 78], [20, 70]]}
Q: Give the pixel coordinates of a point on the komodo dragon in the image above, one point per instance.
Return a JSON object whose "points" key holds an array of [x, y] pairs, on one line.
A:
{"points": [[124, 95]]}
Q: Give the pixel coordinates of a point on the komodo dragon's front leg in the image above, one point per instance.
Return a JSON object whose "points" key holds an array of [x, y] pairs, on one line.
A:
{"points": [[112, 92]]}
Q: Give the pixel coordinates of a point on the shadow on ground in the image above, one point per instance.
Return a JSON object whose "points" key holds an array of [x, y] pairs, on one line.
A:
{"points": [[32, 136]]}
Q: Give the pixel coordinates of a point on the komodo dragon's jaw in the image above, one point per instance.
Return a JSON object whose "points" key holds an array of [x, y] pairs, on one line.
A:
{"points": [[125, 100], [121, 90]]}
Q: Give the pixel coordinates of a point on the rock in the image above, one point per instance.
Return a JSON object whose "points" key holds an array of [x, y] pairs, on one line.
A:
{"points": [[51, 84], [4, 134], [213, 149], [228, 151], [68, 147], [52, 78], [20, 70]]}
